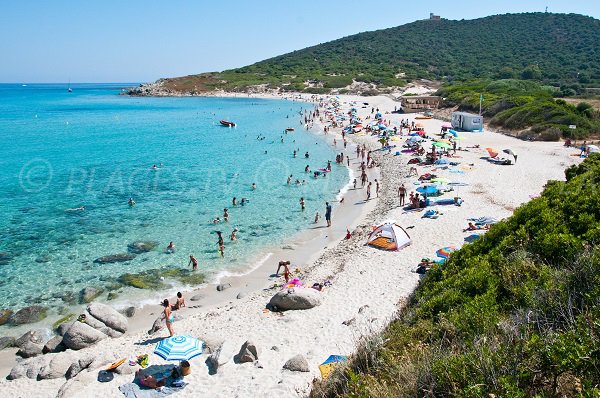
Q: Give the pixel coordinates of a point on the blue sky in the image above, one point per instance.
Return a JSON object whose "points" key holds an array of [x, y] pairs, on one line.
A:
{"points": [[139, 41]]}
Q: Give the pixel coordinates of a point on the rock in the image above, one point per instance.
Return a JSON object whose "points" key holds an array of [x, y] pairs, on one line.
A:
{"points": [[112, 296], [63, 327], [29, 368], [76, 386], [7, 342], [197, 297], [349, 322], [248, 353], [223, 286], [295, 299], [55, 344], [109, 316], [129, 312], [115, 258], [88, 294], [297, 364], [5, 315], [29, 350], [212, 343], [81, 336], [219, 357], [275, 348], [57, 367], [258, 365], [79, 365], [36, 336], [158, 324], [363, 308], [240, 295], [29, 314], [141, 246]]}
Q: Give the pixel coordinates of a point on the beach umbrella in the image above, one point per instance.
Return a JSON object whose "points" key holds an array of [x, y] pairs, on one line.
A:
{"points": [[444, 252], [440, 144], [493, 152], [330, 363], [427, 190], [178, 348], [441, 180], [446, 125]]}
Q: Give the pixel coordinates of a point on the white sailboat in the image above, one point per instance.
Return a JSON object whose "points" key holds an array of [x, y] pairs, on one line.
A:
{"points": [[69, 89]]}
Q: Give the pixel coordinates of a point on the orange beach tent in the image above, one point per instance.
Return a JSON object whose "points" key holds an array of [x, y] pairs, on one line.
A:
{"points": [[389, 236]]}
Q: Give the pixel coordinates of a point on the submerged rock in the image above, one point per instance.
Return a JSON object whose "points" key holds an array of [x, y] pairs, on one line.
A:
{"points": [[5, 315], [5, 258], [115, 258], [88, 294], [141, 246], [29, 314]]}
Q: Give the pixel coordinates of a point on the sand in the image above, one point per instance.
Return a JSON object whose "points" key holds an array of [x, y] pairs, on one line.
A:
{"points": [[367, 287]]}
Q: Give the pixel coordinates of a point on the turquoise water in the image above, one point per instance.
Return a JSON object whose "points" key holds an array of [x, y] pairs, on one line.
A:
{"points": [[95, 148]]}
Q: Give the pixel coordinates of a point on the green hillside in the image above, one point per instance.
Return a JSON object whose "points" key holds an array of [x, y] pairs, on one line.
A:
{"points": [[514, 314], [553, 48]]}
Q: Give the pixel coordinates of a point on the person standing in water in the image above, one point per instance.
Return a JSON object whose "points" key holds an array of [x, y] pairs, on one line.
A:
{"points": [[233, 234], [193, 262], [221, 244], [253, 186], [226, 215], [369, 191], [302, 205], [234, 201], [171, 247], [328, 213]]}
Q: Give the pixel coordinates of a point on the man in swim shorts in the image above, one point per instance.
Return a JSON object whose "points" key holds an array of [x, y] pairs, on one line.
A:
{"points": [[328, 213]]}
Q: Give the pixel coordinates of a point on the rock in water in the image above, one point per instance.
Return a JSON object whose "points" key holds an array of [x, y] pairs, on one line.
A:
{"points": [[248, 353], [7, 342], [81, 336], [295, 299], [297, 364], [88, 294], [115, 258], [109, 316], [30, 314], [141, 246], [5, 315]]}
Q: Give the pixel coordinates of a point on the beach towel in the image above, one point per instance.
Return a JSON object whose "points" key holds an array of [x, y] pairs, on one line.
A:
{"points": [[132, 390], [483, 220]]}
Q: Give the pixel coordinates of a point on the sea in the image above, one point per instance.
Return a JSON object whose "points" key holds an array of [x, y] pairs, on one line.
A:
{"points": [[70, 162]]}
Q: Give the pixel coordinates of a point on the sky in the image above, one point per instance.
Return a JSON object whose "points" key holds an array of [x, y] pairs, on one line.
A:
{"points": [[143, 40]]}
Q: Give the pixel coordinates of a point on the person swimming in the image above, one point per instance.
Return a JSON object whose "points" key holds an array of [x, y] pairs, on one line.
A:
{"points": [[131, 202], [233, 234], [81, 208], [171, 248]]}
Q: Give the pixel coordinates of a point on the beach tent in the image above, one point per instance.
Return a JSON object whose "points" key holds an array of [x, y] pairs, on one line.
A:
{"points": [[389, 236], [330, 363]]}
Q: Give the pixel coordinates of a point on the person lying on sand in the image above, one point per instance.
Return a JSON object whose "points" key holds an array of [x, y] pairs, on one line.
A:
{"points": [[149, 380], [473, 227]]}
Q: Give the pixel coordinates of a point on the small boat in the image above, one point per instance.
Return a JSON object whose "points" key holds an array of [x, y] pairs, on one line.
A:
{"points": [[290, 129], [227, 123]]}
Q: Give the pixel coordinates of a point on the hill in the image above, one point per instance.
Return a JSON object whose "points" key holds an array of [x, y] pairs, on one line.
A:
{"points": [[552, 48], [514, 314]]}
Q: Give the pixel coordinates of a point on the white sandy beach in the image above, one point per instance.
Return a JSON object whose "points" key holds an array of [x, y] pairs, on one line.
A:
{"points": [[367, 284]]}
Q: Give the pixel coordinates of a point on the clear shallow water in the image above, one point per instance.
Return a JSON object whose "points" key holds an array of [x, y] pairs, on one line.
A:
{"points": [[95, 148]]}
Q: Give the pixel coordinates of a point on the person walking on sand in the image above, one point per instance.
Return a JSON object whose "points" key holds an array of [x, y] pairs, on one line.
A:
{"points": [[354, 182], [317, 217], [302, 205], [193, 262], [363, 179], [369, 191], [168, 317], [402, 194], [328, 213], [377, 187]]}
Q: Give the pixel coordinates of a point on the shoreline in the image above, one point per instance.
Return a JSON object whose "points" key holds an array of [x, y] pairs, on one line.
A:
{"points": [[368, 285], [303, 247]]}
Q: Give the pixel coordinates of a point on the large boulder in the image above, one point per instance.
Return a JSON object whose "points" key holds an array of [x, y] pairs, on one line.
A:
{"points": [[5, 315], [81, 336], [29, 368], [76, 367], [55, 344], [76, 386], [212, 343], [29, 314], [156, 326], [219, 357], [57, 367], [36, 336], [30, 349], [63, 327], [297, 364], [248, 353], [108, 316], [295, 299]]}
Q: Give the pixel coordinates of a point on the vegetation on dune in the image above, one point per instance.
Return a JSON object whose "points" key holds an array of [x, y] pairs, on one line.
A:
{"points": [[514, 314], [538, 46], [519, 104]]}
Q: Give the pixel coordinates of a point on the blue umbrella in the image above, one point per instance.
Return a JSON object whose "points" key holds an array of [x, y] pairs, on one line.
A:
{"points": [[179, 348], [428, 190]]}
